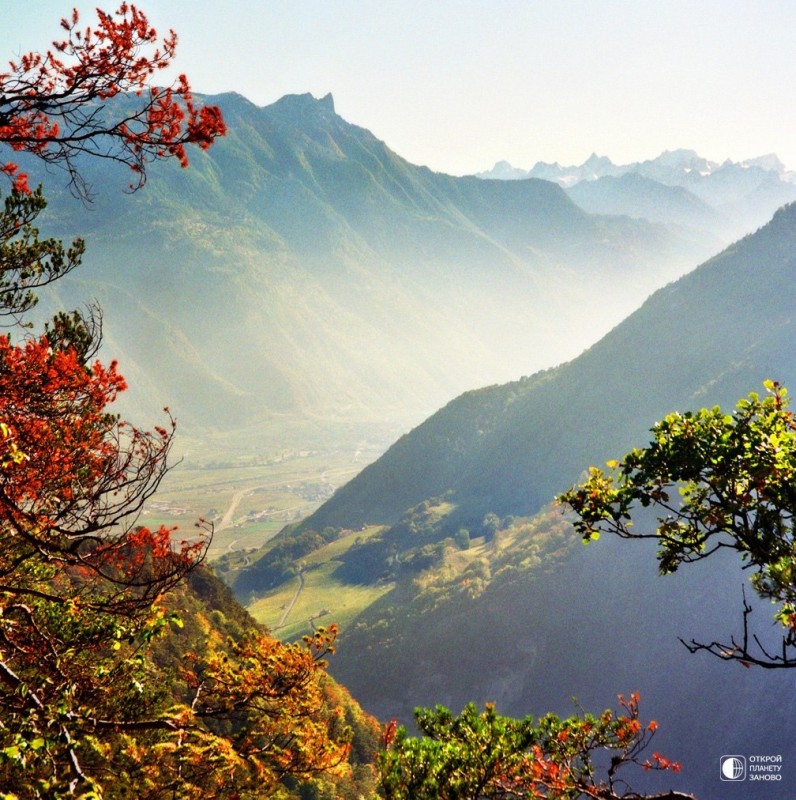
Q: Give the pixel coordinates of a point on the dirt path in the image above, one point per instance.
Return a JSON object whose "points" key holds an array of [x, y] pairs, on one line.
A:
{"points": [[290, 605], [226, 520]]}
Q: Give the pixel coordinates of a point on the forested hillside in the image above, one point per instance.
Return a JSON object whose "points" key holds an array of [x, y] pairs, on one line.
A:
{"points": [[599, 619]]}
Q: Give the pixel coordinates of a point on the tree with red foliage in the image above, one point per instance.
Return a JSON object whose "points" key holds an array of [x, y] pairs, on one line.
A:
{"points": [[77, 576], [86, 709], [480, 755], [84, 590], [69, 102]]}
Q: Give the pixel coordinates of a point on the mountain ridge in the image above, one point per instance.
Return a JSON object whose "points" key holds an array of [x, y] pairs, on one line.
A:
{"points": [[679, 162], [316, 273], [598, 620], [730, 198], [487, 437]]}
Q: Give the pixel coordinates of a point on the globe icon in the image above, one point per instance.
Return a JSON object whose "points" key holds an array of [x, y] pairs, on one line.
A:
{"points": [[732, 768]]}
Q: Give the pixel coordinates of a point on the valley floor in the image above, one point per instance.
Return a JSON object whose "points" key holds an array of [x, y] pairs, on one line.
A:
{"points": [[249, 500]]}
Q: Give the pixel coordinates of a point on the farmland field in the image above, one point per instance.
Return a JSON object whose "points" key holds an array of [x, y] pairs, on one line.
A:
{"points": [[249, 500]]}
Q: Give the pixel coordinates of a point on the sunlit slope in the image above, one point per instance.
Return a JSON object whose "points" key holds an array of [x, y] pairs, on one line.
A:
{"points": [[300, 267], [711, 337], [593, 621]]}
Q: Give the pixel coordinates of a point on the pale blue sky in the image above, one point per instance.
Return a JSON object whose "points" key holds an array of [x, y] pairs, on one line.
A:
{"points": [[460, 84]]}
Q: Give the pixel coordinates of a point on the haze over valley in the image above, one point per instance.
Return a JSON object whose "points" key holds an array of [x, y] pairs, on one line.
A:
{"points": [[301, 271], [409, 451], [311, 297]]}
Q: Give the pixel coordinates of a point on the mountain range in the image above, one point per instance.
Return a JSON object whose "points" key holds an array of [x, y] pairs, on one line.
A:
{"points": [[672, 167], [301, 270], [678, 187], [597, 620]]}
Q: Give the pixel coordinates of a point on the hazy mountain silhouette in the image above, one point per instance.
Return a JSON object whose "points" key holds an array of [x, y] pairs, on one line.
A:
{"points": [[301, 268], [725, 200], [710, 337]]}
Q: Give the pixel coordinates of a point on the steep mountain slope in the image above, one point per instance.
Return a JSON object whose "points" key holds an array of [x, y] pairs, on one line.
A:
{"points": [[209, 612], [302, 268], [600, 621], [710, 337]]}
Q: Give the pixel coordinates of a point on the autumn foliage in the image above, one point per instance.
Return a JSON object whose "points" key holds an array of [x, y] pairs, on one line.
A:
{"points": [[485, 755], [99, 697], [85, 592], [96, 699], [77, 577], [59, 105]]}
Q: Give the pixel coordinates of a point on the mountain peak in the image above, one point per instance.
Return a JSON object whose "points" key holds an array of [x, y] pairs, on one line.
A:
{"points": [[305, 103], [503, 170], [326, 102], [680, 159], [770, 162], [597, 161]]}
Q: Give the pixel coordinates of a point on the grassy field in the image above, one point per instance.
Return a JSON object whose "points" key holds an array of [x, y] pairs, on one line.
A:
{"points": [[317, 597], [250, 498]]}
